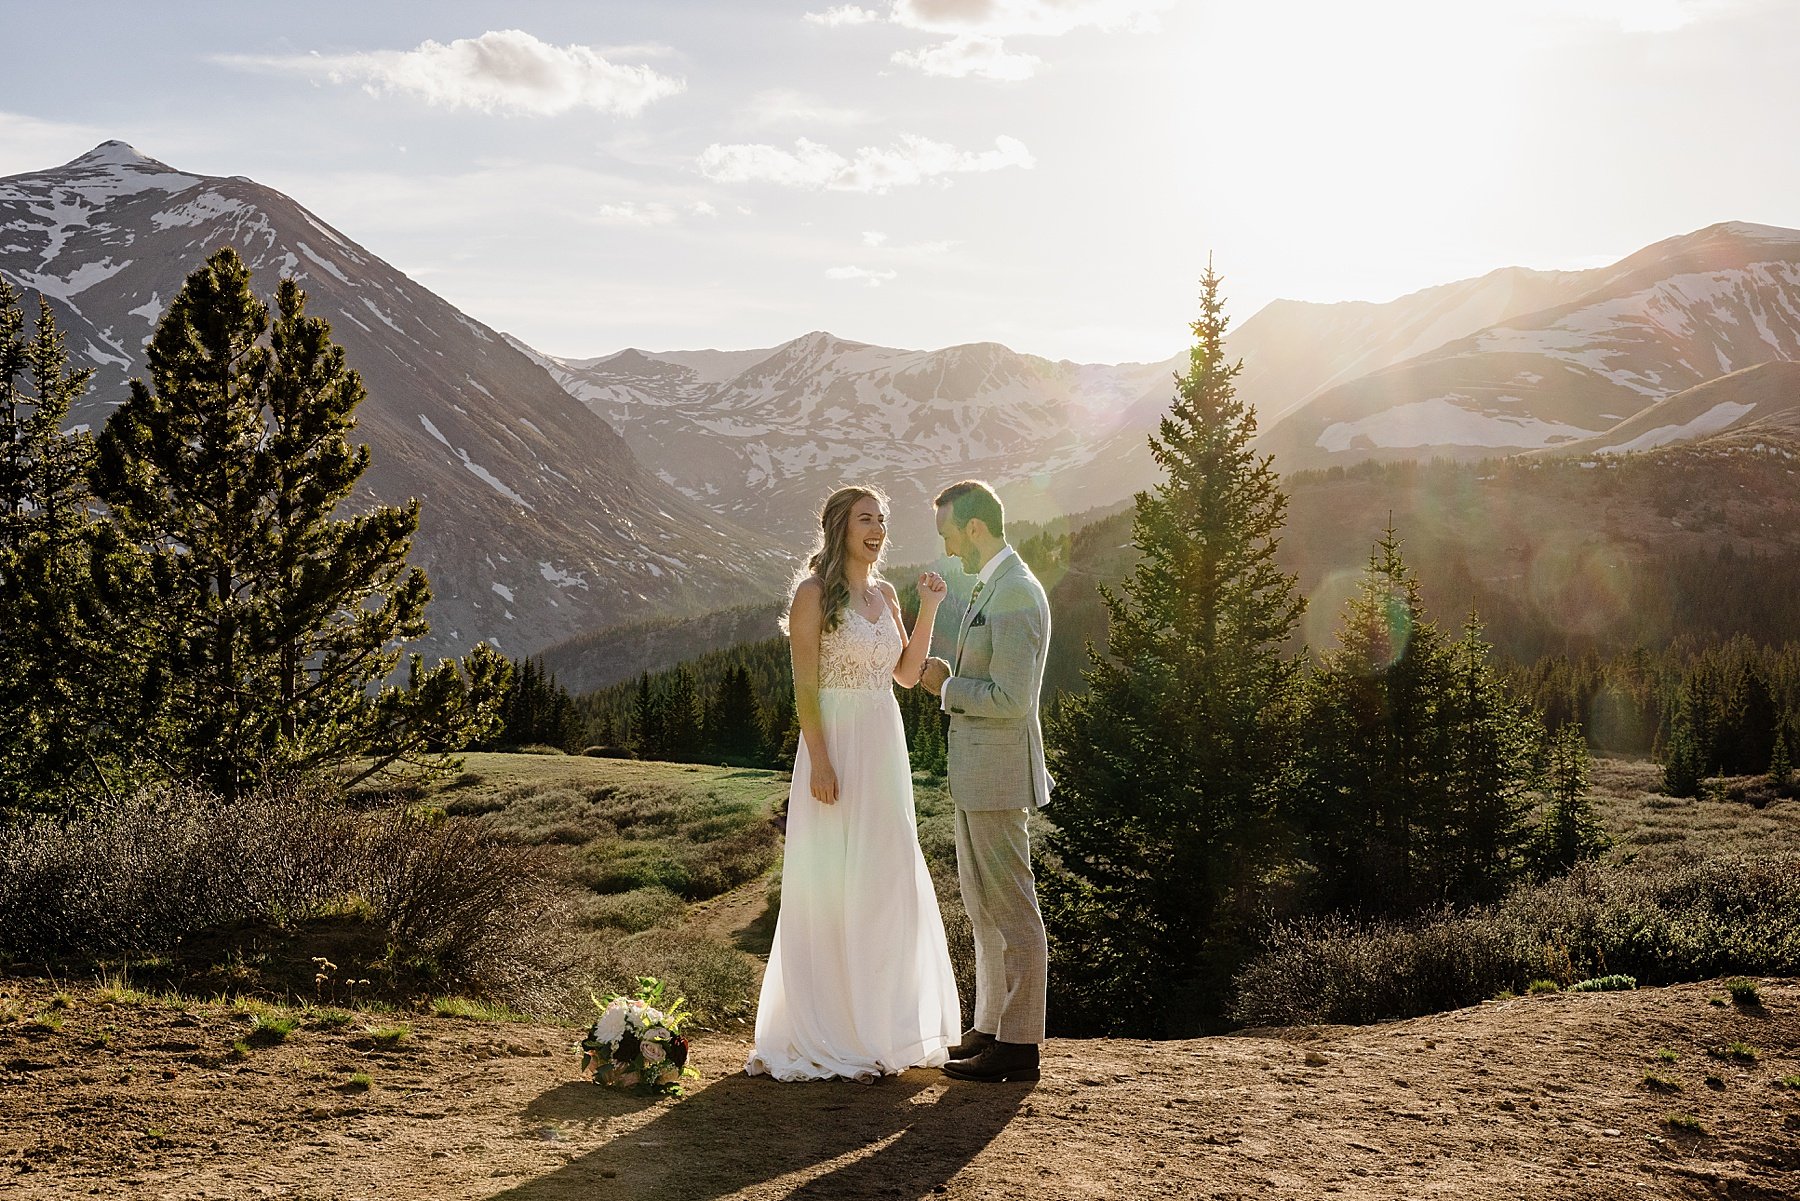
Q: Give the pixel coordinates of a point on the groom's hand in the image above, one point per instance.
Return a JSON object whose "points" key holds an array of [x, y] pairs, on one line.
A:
{"points": [[935, 673]]}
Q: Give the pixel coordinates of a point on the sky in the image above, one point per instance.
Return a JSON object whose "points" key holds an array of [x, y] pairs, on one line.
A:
{"points": [[1050, 174]]}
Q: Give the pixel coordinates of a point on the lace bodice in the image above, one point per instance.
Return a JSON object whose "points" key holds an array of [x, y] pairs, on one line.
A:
{"points": [[860, 653]]}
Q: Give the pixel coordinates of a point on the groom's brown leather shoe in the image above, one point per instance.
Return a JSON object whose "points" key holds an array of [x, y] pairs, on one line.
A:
{"points": [[973, 1043], [1001, 1063]]}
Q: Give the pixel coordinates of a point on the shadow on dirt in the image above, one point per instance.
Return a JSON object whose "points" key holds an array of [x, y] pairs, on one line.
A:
{"points": [[903, 1136]]}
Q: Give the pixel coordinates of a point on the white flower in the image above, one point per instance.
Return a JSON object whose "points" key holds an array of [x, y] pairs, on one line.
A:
{"points": [[657, 1034], [652, 1051], [611, 1026]]}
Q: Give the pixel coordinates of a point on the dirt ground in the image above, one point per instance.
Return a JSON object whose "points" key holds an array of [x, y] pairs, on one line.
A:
{"points": [[1541, 1096]]}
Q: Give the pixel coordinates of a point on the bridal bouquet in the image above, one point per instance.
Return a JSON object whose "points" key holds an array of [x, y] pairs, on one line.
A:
{"points": [[636, 1041]]}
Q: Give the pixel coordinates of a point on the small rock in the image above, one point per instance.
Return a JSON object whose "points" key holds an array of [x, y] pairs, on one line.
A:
{"points": [[1316, 1059], [1610, 1132], [1508, 1106]]}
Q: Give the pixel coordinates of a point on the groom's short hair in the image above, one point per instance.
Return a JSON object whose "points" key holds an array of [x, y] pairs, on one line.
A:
{"points": [[971, 499]]}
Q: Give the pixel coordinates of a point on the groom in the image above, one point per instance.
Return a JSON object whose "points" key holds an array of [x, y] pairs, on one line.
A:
{"points": [[997, 775]]}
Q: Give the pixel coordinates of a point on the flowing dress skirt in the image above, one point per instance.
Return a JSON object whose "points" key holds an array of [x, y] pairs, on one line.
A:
{"points": [[859, 980]]}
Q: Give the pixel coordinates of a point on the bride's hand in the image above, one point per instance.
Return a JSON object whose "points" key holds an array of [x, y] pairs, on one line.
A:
{"points": [[932, 589], [824, 783]]}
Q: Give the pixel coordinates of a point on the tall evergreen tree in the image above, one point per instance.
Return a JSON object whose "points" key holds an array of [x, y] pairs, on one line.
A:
{"points": [[681, 718], [536, 710], [1168, 768], [732, 729], [1418, 767], [1493, 751], [263, 622], [1571, 831], [52, 687]]}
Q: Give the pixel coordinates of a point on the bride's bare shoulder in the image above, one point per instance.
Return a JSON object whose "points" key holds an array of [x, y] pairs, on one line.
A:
{"points": [[809, 592]]}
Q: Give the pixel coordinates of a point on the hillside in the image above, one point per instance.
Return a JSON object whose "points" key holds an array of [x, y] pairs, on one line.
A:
{"points": [[1534, 1097], [1674, 315], [536, 523], [1556, 553], [758, 435], [1761, 400]]}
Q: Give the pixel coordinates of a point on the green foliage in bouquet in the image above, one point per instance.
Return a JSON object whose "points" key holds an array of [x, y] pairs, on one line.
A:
{"points": [[636, 1041]]}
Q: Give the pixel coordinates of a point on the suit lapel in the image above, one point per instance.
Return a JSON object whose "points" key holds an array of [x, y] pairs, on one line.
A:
{"points": [[987, 594]]}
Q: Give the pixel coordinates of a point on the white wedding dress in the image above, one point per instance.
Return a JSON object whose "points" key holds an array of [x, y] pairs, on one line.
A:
{"points": [[859, 981]]}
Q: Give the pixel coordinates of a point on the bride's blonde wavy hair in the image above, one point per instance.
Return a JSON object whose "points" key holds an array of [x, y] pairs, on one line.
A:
{"points": [[828, 556]]}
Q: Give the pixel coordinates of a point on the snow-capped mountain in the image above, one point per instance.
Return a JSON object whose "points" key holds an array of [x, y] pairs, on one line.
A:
{"points": [[1758, 402], [762, 435], [765, 443], [537, 522], [1668, 318]]}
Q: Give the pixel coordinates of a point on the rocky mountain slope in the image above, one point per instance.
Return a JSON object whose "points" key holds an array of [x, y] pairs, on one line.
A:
{"points": [[762, 434], [1673, 316], [1764, 399], [537, 521]]}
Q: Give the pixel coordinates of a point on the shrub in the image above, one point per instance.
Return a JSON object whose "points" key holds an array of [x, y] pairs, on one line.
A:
{"points": [[1734, 913], [631, 912], [1743, 992], [1613, 983], [173, 868], [715, 979]]}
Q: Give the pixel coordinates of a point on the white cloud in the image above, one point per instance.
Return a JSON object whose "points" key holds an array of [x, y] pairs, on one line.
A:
{"points": [[911, 160], [784, 106], [506, 71], [873, 237], [861, 275], [632, 213], [971, 54], [701, 208], [844, 14], [1040, 18]]}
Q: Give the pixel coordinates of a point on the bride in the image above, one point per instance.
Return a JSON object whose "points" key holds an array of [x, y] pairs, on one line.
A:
{"points": [[859, 982]]}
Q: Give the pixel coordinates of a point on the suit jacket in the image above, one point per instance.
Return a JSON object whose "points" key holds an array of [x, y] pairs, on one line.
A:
{"points": [[996, 742]]}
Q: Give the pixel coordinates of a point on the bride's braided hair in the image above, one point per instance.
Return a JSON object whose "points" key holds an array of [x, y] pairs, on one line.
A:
{"points": [[827, 561]]}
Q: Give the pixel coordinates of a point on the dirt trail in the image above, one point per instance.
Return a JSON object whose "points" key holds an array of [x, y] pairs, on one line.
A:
{"points": [[1539, 1097]]}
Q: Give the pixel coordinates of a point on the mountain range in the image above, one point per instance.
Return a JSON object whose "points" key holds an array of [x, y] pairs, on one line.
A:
{"points": [[1513, 361], [537, 521], [565, 495]]}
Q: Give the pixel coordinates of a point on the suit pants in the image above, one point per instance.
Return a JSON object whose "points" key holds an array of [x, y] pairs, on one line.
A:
{"points": [[993, 865]]}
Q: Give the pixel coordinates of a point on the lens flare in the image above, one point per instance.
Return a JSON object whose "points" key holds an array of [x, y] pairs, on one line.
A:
{"points": [[1581, 587]]}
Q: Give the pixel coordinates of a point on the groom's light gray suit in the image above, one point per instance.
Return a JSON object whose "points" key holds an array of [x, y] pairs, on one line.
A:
{"points": [[997, 775]]}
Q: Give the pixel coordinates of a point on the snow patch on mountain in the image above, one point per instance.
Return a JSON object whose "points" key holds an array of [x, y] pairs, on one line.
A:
{"points": [[434, 431], [562, 579], [1442, 421], [324, 264], [493, 481], [1721, 416], [208, 206], [77, 281]]}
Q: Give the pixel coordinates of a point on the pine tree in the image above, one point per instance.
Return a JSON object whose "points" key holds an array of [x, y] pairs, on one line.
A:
{"points": [[53, 687], [732, 730], [1571, 831], [259, 619], [647, 740], [1781, 765], [1682, 763], [536, 711], [1417, 765], [1168, 768], [1492, 745], [681, 718]]}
